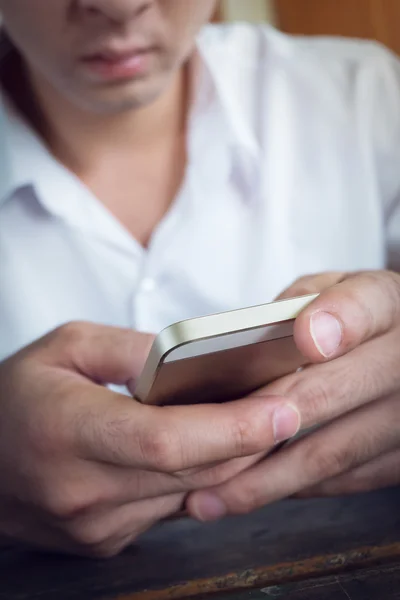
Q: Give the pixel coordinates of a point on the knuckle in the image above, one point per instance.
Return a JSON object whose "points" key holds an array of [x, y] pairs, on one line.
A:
{"points": [[71, 332], [68, 502], [304, 290], [299, 287], [245, 499], [305, 285], [322, 462], [99, 537], [392, 293], [245, 434], [326, 393], [313, 396], [90, 534], [161, 448], [361, 307], [314, 283], [71, 335], [379, 307]]}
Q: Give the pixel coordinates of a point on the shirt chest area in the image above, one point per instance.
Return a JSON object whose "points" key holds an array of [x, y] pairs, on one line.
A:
{"points": [[211, 253]]}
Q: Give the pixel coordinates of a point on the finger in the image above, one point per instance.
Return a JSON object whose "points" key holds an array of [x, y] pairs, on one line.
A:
{"points": [[110, 486], [357, 309], [106, 532], [312, 284], [139, 517], [323, 392], [379, 473], [121, 485], [123, 432], [100, 353], [336, 448]]}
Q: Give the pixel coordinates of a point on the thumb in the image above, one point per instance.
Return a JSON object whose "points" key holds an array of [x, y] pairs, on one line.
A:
{"points": [[359, 308], [100, 353]]}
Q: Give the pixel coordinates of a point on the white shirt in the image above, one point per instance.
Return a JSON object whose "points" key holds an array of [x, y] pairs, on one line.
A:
{"points": [[294, 168]]}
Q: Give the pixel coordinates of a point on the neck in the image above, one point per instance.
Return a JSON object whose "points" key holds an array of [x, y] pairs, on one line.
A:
{"points": [[79, 138]]}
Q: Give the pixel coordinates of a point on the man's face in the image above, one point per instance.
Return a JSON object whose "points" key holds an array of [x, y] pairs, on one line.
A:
{"points": [[105, 55]]}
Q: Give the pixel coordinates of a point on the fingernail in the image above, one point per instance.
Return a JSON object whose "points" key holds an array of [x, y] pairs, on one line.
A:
{"points": [[286, 422], [326, 332], [210, 508]]}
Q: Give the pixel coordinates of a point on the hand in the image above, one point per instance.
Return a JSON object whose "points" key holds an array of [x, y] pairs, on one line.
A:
{"points": [[351, 391], [86, 470]]}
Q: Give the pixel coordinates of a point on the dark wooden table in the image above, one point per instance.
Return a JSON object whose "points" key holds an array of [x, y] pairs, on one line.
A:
{"points": [[340, 549]]}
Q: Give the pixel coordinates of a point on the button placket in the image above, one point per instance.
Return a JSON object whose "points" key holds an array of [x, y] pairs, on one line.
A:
{"points": [[147, 285]]}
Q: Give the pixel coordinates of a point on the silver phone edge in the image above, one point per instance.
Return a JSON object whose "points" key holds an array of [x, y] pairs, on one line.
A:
{"points": [[202, 328]]}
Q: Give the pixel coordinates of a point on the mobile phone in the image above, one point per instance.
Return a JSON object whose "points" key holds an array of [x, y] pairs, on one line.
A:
{"points": [[222, 357]]}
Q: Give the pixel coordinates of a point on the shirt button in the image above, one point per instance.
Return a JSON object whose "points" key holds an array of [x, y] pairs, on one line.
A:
{"points": [[148, 285]]}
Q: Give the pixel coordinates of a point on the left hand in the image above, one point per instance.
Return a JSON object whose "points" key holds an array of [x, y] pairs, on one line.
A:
{"points": [[351, 391]]}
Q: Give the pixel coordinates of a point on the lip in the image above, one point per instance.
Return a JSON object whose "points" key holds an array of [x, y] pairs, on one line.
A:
{"points": [[110, 64]]}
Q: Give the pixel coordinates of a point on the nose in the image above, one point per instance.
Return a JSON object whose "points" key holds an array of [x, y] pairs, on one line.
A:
{"points": [[116, 10]]}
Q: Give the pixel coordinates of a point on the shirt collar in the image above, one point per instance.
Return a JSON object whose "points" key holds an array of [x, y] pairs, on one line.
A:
{"points": [[19, 151], [233, 97], [236, 99], [22, 152]]}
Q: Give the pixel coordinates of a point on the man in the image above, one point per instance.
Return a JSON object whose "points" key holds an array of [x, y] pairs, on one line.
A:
{"points": [[152, 170]]}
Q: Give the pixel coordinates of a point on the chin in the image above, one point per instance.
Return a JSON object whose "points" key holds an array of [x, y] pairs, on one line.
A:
{"points": [[121, 98]]}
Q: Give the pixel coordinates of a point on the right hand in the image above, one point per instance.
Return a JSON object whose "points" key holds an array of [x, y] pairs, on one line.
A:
{"points": [[85, 470]]}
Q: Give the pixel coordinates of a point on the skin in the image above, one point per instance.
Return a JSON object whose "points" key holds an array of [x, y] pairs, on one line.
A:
{"points": [[117, 136], [83, 470], [86, 471], [350, 392], [54, 36]]}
